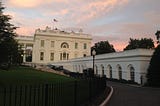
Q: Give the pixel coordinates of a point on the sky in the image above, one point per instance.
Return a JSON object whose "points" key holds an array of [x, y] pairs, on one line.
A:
{"points": [[112, 20]]}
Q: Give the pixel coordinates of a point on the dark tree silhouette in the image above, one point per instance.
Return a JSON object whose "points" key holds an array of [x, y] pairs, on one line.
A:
{"points": [[103, 47], [142, 43], [153, 75], [9, 51]]}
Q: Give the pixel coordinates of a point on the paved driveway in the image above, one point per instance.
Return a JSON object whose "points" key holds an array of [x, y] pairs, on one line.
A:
{"points": [[126, 95]]}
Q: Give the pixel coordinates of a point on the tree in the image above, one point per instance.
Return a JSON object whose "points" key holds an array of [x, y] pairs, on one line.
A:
{"points": [[157, 35], [153, 75], [9, 51], [140, 43], [103, 47]]}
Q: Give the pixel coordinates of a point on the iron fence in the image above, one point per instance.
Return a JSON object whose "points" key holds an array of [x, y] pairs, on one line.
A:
{"points": [[72, 93]]}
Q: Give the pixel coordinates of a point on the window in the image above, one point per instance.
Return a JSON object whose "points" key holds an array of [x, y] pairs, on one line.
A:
{"points": [[52, 56], [119, 71], [84, 55], [85, 46], [42, 43], [61, 56], [64, 45], [110, 70], [41, 55], [64, 56], [52, 43], [132, 73], [76, 45], [102, 70], [131, 70], [120, 74]]}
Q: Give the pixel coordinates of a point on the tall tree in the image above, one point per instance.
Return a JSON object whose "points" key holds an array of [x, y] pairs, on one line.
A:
{"points": [[103, 47], [9, 51], [153, 75], [140, 43], [158, 35]]}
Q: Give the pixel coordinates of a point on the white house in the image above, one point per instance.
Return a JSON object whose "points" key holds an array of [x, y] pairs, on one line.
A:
{"points": [[52, 45]]}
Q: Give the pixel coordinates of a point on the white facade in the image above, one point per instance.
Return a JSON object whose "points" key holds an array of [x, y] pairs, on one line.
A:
{"points": [[55, 45], [129, 65]]}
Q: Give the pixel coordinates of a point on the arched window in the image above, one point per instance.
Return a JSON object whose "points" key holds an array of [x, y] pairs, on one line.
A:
{"points": [[110, 70], [132, 72], [64, 45], [119, 71], [102, 69]]}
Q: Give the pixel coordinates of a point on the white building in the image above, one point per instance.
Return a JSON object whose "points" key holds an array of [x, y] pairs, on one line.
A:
{"points": [[72, 50], [54, 45], [128, 65]]}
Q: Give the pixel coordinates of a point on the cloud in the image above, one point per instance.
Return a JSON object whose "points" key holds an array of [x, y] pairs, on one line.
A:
{"points": [[27, 3], [78, 12], [97, 8], [25, 30], [113, 20]]}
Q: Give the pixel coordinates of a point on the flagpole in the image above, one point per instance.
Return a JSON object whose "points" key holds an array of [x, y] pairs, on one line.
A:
{"points": [[54, 21]]}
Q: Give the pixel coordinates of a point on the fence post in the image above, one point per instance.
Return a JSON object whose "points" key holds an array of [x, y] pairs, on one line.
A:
{"points": [[30, 95], [25, 95], [20, 98], [4, 100], [90, 90], [75, 93], [15, 95], [10, 95], [46, 95]]}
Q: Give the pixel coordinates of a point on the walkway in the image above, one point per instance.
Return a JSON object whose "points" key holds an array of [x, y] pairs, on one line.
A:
{"points": [[126, 95]]}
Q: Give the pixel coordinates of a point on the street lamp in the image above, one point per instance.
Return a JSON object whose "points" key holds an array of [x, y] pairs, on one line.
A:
{"points": [[93, 54]]}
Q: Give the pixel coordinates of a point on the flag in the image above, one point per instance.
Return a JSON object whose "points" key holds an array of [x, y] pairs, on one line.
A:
{"points": [[55, 20]]}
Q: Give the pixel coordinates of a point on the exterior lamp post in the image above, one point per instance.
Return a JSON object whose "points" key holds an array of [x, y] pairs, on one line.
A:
{"points": [[93, 54]]}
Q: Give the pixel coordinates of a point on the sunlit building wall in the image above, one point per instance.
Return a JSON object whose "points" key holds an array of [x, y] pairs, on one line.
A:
{"points": [[52, 45]]}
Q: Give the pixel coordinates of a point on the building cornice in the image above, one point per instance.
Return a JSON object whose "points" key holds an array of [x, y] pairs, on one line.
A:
{"points": [[88, 37], [136, 53]]}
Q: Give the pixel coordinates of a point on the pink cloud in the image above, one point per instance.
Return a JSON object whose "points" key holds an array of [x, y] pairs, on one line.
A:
{"points": [[27, 3], [26, 31], [99, 8]]}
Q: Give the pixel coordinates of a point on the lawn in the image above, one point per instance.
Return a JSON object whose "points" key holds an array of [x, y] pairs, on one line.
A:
{"points": [[25, 86], [26, 75]]}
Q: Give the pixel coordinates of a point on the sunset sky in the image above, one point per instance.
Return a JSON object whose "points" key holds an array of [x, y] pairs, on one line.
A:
{"points": [[112, 20]]}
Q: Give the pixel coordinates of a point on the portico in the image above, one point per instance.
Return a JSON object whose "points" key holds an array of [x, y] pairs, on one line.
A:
{"points": [[26, 44]]}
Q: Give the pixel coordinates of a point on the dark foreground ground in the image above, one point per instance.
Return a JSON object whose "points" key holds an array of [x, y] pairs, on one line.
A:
{"points": [[130, 95]]}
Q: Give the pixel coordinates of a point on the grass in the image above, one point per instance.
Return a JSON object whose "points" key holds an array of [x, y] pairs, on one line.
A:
{"points": [[26, 86], [26, 75]]}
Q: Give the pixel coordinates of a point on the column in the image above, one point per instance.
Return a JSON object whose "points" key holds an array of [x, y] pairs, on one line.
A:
{"points": [[24, 53]]}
